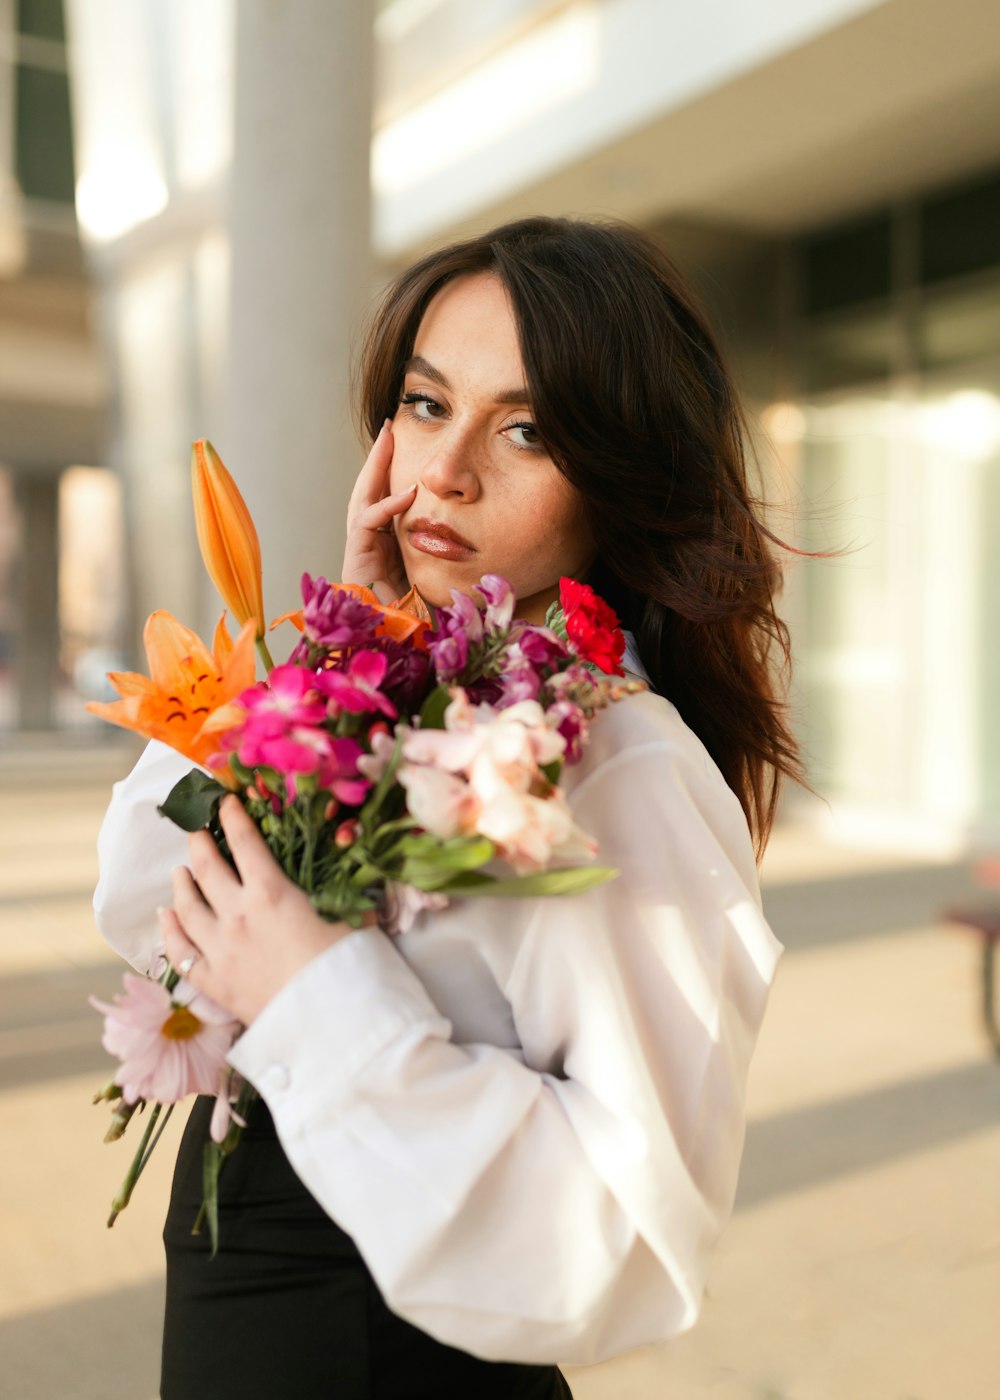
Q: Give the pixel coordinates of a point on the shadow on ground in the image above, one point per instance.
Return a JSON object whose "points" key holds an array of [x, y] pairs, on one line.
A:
{"points": [[102, 1348]]}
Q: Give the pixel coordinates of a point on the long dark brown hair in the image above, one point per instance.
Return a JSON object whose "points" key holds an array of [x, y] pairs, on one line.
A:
{"points": [[637, 409]]}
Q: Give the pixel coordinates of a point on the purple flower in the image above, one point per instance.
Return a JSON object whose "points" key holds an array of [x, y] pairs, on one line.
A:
{"points": [[500, 599], [451, 656], [519, 682], [335, 618], [357, 688], [407, 673]]}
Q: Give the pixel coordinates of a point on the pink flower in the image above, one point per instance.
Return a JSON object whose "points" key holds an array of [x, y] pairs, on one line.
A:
{"points": [[500, 598], [357, 688], [223, 1114], [439, 801], [402, 905], [531, 832], [170, 1044], [290, 696], [571, 722], [383, 745]]}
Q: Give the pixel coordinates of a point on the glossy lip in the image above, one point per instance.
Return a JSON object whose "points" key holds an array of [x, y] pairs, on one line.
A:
{"points": [[437, 531]]}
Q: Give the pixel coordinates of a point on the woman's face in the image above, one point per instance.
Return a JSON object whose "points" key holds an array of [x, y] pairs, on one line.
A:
{"points": [[489, 498]]}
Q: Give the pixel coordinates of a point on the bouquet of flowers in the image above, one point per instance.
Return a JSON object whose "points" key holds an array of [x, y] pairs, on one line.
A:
{"points": [[395, 761]]}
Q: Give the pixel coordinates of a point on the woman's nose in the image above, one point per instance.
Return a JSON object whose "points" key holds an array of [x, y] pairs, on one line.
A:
{"points": [[451, 468]]}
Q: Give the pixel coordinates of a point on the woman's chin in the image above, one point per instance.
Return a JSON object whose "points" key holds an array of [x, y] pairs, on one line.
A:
{"points": [[435, 578]]}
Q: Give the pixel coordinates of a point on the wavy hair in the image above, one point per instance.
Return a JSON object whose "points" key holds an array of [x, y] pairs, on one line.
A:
{"points": [[637, 409]]}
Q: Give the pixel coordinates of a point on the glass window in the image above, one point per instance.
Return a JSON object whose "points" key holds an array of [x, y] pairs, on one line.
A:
{"points": [[44, 135], [960, 231], [960, 324], [854, 348], [847, 265], [42, 19]]}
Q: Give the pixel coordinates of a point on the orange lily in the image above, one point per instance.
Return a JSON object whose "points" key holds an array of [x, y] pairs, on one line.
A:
{"points": [[186, 686], [226, 536], [408, 616]]}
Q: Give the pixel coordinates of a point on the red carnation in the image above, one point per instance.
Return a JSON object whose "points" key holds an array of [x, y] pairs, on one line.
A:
{"points": [[592, 626]]}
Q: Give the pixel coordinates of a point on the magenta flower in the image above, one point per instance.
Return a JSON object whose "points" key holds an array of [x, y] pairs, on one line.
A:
{"points": [[335, 618], [541, 646], [357, 688], [290, 696], [170, 1044], [338, 773]]}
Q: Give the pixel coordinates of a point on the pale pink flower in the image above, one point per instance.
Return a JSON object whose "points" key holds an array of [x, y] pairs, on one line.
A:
{"points": [[441, 802], [482, 774], [374, 764], [170, 1044], [532, 832], [402, 904], [499, 598], [224, 1114]]}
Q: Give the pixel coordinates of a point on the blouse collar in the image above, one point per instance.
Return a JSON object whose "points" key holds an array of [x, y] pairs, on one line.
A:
{"points": [[631, 661]]}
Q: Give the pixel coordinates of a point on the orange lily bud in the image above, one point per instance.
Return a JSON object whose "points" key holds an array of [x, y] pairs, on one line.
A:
{"points": [[226, 536]]}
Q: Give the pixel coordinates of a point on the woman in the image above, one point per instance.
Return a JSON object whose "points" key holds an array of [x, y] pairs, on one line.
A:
{"points": [[510, 1136]]}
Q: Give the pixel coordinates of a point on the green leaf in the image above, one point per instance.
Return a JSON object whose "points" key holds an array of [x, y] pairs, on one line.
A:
{"points": [[210, 1168], [546, 882], [433, 867], [193, 801], [433, 708]]}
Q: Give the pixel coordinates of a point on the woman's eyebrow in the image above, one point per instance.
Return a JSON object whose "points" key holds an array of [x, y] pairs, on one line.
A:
{"points": [[416, 364]]}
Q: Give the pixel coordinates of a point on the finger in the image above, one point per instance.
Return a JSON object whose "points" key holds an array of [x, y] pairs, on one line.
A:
{"points": [[178, 945], [193, 912], [215, 878], [255, 863], [374, 475], [380, 513]]}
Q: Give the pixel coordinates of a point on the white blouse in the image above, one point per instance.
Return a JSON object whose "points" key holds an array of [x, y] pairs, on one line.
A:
{"points": [[529, 1115]]}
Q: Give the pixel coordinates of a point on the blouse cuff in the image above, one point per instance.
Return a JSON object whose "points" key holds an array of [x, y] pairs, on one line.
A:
{"points": [[353, 1000]]}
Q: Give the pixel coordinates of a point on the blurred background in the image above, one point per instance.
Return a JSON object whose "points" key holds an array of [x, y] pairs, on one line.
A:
{"points": [[200, 201]]}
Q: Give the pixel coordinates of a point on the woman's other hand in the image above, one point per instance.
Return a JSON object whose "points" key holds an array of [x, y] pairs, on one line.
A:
{"points": [[248, 933], [371, 557]]}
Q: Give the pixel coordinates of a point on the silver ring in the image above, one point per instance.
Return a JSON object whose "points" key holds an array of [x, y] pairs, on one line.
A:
{"points": [[186, 964]]}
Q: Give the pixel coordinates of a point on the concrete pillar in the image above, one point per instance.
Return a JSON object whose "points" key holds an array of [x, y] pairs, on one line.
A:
{"points": [[299, 222], [36, 650]]}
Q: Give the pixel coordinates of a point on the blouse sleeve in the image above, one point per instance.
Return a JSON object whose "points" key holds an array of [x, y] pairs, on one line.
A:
{"points": [[136, 850], [563, 1208]]}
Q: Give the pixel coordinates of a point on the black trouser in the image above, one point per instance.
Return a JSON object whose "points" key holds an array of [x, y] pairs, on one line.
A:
{"points": [[287, 1309]]}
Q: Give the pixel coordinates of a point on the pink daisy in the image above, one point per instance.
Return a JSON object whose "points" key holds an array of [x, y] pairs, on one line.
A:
{"points": [[170, 1044]]}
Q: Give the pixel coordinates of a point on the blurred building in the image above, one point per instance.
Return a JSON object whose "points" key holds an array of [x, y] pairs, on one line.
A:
{"points": [[53, 390], [827, 171]]}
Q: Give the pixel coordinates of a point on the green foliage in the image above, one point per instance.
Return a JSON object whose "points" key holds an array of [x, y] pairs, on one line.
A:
{"points": [[193, 802]]}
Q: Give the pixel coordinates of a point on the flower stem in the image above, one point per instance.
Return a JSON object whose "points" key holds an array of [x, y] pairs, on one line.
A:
{"points": [[265, 655], [138, 1162]]}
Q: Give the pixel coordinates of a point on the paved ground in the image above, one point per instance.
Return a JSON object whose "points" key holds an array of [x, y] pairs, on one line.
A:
{"points": [[862, 1261]]}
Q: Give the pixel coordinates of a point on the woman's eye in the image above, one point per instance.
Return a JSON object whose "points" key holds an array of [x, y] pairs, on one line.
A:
{"points": [[422, 406], [529, 435]]}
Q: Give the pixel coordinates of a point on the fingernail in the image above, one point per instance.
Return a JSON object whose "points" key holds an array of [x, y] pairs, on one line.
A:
{"points": [[385, 427], [407, 489]]}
